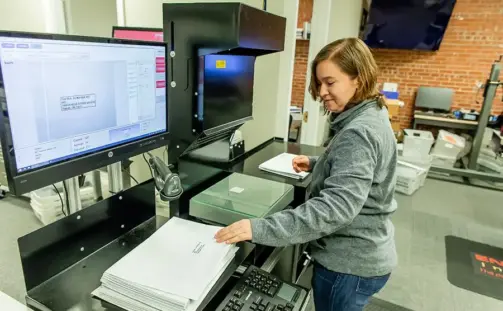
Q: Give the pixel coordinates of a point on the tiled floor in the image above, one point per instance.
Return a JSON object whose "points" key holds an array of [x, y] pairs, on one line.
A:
{"points": [[422, 222]]}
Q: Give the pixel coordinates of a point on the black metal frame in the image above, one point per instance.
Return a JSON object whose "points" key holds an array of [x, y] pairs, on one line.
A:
{"points": [[20, 183], [196, 29], [76, 250]]}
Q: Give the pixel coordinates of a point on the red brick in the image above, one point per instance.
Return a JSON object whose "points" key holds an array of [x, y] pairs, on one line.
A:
{"points": [[301, 54]]}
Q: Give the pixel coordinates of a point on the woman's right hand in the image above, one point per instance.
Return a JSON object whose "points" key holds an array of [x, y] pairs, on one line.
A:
{"points": [[300, 164]]}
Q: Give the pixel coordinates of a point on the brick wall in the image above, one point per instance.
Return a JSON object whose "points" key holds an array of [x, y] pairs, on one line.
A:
{"points": [[299, 72], [473, 40], [301, 53], [305, 12]]}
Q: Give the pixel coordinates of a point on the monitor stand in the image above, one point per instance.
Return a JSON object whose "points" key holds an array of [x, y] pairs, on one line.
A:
{"points": [[432, 112], [115, 177], [72, 190], [220, 151]]}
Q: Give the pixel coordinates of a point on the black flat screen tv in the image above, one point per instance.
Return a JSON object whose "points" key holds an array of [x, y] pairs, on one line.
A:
{"points": [[407, 24]]}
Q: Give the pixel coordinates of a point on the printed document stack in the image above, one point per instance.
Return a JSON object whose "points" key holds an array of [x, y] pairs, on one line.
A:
{"points": [[282, 165], [173, 270]]}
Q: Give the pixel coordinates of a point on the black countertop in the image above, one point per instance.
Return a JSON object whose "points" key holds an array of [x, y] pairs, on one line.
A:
{"points": [[249, 162]]}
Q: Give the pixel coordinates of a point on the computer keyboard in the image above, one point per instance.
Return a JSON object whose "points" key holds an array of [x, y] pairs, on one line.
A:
{"points": [[258, 290]]}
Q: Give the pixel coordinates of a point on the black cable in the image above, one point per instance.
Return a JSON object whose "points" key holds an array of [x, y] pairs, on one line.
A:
{"points": [[66, 199], [60, 199], [148, 164], [132, 177]]}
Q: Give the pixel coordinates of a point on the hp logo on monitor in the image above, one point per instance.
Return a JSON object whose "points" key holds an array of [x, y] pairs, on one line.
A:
{"points": [[110, 154]]}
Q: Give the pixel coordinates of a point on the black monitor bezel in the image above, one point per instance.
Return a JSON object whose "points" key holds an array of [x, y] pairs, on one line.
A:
{"points": [[146, 29], [20, 183]]}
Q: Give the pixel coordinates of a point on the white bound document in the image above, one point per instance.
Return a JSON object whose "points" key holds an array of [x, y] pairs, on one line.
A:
{"points": [[282, 165]]}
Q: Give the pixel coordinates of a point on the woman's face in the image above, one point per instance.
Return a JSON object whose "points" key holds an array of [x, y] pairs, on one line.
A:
{"points": [[336, 87]]}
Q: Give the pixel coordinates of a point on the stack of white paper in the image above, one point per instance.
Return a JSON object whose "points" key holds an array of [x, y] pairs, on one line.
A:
{"points": [[282, 165], [174, 269], [10, 304]]}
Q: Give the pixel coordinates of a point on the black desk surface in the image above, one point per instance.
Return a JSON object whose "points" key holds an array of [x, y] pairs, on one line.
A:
{"points": [[248, 163]]}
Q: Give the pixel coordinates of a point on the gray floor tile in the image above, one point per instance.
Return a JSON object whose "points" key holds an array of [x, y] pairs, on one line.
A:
{"points": [[423, 220]]}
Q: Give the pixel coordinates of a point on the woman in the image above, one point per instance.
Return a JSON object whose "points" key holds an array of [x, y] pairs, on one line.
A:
{"points": [[347, 217]]}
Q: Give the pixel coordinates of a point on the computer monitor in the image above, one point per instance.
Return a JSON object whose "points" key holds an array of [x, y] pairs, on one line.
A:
{"points": [[225, 88], [138, 33], [73, 104], [434, 98]]}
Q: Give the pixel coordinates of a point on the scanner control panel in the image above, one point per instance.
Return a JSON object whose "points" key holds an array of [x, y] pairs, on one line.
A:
{"points": [[261, 291]]}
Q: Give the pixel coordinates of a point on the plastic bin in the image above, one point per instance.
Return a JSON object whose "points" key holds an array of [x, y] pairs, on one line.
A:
{"points": [[443, 161], [417, 143], [418, 162], [492, 163], [409, 177], [448, 145], [411, 173], [46, 203]]}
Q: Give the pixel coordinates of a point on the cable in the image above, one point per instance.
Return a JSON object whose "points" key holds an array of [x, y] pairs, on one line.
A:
{"points": [[66, 199], [148, 164], [127, 173], [60, 199]]}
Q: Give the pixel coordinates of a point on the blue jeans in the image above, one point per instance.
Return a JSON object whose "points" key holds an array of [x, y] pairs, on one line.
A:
{"points": [[343, 292]]}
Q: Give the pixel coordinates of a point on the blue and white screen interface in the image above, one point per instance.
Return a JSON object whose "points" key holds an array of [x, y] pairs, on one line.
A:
{"points": [[69, 98]]}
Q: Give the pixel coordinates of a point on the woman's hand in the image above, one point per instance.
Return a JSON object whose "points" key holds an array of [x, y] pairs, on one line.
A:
{"points": [[237, 232], [300, 164]]}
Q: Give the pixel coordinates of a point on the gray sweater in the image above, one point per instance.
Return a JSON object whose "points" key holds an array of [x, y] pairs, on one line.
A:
{"points": [[347, 218]]}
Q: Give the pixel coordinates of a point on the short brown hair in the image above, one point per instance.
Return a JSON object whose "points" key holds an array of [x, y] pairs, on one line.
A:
{"points": [[355, 59]]}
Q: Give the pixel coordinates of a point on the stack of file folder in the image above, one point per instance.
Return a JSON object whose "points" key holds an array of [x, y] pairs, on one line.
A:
{"points": [[174, 269]]}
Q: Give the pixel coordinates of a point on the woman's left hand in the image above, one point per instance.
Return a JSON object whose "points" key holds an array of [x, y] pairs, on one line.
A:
{"points": [[237, 232]]}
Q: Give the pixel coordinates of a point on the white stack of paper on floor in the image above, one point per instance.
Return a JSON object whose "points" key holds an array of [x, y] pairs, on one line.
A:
{"points": [[174, 269]]}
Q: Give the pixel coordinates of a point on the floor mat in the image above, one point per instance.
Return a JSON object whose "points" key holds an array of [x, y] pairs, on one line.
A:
{"points": [[475, 266]]}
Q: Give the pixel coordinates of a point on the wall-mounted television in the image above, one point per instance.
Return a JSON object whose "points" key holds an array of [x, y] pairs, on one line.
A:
{"points": [[407, 24]]}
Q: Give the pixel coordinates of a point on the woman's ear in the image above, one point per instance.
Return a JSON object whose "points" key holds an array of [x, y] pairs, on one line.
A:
{"points": [[356, 83]]}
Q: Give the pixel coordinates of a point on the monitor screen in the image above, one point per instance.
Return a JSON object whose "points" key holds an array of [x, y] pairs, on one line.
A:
{"points": [[66, 99], [411, 25], [225, 88], [139, 34], [434, 98]]}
